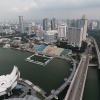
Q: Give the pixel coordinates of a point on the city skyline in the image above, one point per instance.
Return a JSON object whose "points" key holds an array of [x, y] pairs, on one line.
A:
{"points": [[38, 9]]}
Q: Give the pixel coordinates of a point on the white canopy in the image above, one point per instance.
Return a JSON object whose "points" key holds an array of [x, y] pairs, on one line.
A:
{"points": [[8, 82]]}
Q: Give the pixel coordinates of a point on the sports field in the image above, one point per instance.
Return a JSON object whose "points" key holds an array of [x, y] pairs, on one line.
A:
{"points": [[39, 58]]}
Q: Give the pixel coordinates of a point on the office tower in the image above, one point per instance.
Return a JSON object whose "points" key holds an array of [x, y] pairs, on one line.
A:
{"points": [[68, 23], [75, 36], [22, 25], [78, 22], [73, 23], [84, 25], [53, 24], [46, 24], [62, 31]]}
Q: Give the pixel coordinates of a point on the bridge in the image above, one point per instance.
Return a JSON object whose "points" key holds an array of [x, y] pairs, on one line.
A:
{"points": [[93, 65], [97, 49], [76, 88]]}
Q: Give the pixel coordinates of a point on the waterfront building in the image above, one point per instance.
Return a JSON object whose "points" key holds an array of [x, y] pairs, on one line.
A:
{"points": [[8, 82], [22, 24], [50, 36], [53, 24], [62, 31], [75, 36], [46, 24]]}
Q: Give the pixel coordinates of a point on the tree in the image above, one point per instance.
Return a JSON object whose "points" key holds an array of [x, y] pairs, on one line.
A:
{"points": [[94, 59], [78, 56], [24, 39]]}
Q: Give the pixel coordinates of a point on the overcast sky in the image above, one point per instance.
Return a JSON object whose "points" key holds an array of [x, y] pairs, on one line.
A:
{"points": [[38, 9]]}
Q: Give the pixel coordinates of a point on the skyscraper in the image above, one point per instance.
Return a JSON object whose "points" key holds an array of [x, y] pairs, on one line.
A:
{"points": [[46, 24], [22, 25], [53, 24], [78, 23], [75, 36], [84, 25]]}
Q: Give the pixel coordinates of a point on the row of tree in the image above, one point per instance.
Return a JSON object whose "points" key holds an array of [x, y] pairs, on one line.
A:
{"points": [[74, 49]]}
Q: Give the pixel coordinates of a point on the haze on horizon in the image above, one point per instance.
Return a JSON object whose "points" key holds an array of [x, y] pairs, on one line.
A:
{"points": [[39, 9]]}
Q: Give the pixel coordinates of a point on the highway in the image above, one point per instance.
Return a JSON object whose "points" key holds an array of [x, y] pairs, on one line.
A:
{"points": [[76, 88]]}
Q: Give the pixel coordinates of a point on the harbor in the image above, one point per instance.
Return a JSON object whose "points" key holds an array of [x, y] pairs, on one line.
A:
{"points": [[40, 76]]}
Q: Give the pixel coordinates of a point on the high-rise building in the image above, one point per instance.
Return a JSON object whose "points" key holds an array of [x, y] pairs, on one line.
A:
{"points": [[46, 24], [68, 23], [22, 24], [78, 23], [84, 25], [73, 23], [78, 32], [75, 36], [1, 29], [62, 31], [29, 29], [53, 24]]}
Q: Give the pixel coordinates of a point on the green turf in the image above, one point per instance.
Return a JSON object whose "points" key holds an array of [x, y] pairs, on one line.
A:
{"points": [[39, 58]]}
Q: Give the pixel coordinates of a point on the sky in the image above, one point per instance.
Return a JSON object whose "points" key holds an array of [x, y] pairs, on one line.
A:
{"points": [[39, 9]]}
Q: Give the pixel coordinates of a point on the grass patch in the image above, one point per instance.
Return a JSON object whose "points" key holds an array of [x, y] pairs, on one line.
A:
{"points": [[39, 58]]}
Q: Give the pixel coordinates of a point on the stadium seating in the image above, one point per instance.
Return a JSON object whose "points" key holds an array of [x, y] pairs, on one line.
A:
{"points": [[58, 51], [41, 48], [65, 52]]}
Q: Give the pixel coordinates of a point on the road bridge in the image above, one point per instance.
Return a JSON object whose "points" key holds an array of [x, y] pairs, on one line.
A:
{"points": [[76, 88], [91, 65]]}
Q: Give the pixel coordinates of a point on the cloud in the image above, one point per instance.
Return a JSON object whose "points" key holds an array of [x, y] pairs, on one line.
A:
{"points": [[50, 8], [14, 9]]}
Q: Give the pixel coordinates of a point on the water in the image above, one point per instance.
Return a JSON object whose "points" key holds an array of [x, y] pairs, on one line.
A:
{"points": [[92, 86], [47, 77]]}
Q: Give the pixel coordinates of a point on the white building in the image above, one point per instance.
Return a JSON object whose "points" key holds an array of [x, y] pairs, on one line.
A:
{"points": [[78, 34], [62, 31], [8, 82], [50, 36], [75, 36], [84, 25]]}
